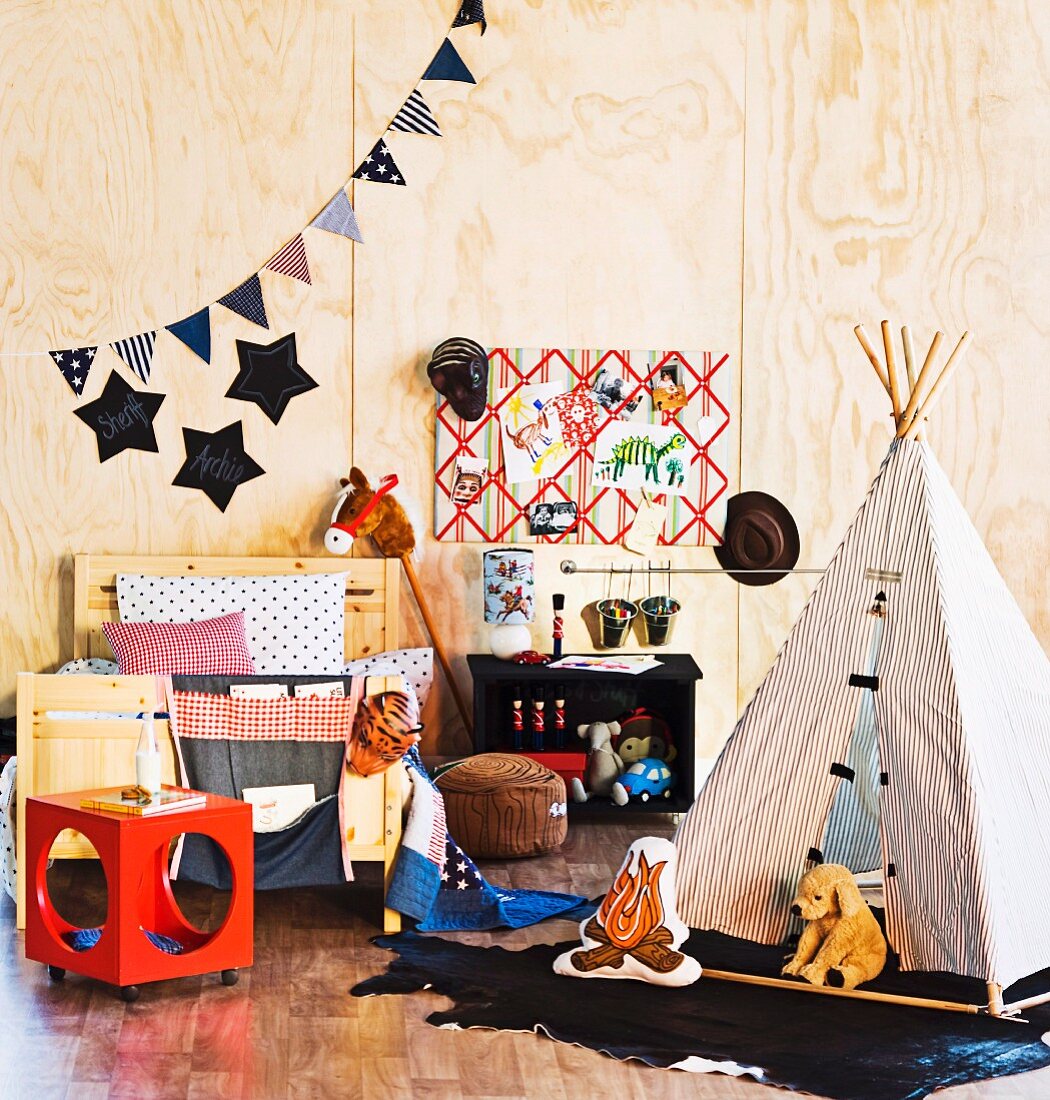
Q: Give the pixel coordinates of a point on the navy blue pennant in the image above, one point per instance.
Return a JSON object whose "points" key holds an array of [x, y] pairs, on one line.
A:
{"points": [[448, 65], [379, 167], [195, 333]]}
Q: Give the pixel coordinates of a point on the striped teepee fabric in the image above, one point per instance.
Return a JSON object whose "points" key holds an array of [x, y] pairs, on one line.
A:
{"points": [[137, 352], [416, 117], [291, 261], [961, 717]]}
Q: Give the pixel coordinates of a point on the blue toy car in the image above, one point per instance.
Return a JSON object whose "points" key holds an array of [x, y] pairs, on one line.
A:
{"points": [[648, 778]]}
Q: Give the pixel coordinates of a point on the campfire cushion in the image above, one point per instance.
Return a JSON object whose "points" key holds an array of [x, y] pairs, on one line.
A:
{"points": [[636, 932], [504, 806]]}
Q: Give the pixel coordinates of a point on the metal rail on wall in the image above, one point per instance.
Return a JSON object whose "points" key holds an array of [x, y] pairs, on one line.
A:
{"points": [[569, 566]]}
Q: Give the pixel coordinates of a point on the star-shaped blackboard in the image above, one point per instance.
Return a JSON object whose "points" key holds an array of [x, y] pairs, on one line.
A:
{"points": [[269, 375], [216, 463], [122, 418]]}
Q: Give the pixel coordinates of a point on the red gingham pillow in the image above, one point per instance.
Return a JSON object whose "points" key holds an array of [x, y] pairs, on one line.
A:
{"points": [[215, 647]]}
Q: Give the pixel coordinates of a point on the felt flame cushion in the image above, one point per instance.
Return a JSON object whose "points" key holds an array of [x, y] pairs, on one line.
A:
{"points": [[210, 647], [504, 806]]}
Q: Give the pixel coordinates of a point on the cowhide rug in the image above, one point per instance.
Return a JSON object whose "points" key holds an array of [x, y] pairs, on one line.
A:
{"points": [[847, 1050]]}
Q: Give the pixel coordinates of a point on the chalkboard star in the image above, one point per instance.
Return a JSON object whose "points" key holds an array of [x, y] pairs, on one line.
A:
{"points": [[216, 463], [270, 375], [121, 418]]}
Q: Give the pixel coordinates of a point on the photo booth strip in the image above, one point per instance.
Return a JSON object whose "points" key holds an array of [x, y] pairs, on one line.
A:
{"points": [[500, 512]]}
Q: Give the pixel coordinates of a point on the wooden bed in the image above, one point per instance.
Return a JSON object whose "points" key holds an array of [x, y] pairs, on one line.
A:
{"points": [[59, 754]]}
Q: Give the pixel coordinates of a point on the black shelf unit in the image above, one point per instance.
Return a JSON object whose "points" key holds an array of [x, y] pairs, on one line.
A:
{"points": [[669, 690]]}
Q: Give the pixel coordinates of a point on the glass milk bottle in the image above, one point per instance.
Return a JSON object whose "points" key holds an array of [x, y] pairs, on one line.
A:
{"points": [[147, 757]]}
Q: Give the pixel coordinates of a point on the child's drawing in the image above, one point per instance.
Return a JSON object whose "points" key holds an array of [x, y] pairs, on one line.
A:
{"points": [[531, 432], [643, 456]]}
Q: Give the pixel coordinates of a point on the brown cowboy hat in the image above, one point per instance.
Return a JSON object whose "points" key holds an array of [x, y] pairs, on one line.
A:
{"points": [[760, 535]]}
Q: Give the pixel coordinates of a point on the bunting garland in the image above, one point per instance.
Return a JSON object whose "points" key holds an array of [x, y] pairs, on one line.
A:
{"points": [[247, 301], [137, 353], [379, 167], [415, 117], [270, 374], [448, 65], [195, 333], [74, 364], [338, 217], [291, 260], [471, 11]]}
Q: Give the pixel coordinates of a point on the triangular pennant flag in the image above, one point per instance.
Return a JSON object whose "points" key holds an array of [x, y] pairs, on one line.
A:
{"points": [[291, 261], [74, 363], [379, 167], [247, 300], [338, 217], [415, 117], [471, 11], [448, 65], [195, 333], [137, 352]]}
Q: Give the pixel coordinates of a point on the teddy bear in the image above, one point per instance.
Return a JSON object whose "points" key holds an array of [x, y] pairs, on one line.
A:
{"points": [[842, 944], [604, 765]]}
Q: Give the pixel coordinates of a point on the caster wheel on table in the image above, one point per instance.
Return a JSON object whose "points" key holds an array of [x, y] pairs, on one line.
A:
{"points": [[229, 977], [55, 973], [129, 993]]}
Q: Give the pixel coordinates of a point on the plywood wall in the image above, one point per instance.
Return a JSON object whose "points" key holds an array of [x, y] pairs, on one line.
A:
{"points": [[628, 174]]}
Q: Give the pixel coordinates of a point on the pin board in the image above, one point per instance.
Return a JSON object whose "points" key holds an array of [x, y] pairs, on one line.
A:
{"points": [[571, 439]]}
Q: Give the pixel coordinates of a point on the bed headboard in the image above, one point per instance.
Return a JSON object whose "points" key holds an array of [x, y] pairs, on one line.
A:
{"points": [[371, 592]]}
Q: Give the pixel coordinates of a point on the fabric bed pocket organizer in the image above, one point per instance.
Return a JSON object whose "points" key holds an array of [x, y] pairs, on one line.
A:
{"points": [[230, 746]]}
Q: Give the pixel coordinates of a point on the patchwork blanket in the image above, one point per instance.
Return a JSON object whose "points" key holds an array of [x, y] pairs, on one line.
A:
{"points": [[438, 884]]}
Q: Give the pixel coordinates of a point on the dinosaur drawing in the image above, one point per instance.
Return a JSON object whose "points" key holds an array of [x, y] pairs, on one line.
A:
{"points": [[638, 450]]}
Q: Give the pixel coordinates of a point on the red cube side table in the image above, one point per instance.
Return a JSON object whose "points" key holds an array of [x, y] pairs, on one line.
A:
{"points": [[134, 855]]}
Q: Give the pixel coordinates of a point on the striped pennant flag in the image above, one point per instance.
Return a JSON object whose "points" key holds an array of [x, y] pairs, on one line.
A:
{"points": [[448, 65], [415, 117], [195, 333], [137, 352], [74, 363], [291, 261], [471, 11], [246, 300], [338, 217]]}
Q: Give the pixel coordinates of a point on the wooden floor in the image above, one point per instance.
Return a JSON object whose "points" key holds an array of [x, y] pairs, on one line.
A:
{"points": [[290, 1029]]}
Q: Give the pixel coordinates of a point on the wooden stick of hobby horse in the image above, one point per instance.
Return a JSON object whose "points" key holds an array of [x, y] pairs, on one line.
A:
{"points": [[938, 387], [916, 392], [891, 371], [439, 649], [909, 365], [869, 351]]}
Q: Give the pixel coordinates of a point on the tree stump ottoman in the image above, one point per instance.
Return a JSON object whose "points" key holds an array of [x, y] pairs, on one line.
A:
{"points": [[503, 806]]}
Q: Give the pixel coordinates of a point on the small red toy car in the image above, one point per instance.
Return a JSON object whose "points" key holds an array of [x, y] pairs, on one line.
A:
{"points": [[532, 657]]}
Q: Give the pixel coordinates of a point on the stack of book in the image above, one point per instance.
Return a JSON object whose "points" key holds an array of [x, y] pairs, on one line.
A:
{"points": [[120, 800]]}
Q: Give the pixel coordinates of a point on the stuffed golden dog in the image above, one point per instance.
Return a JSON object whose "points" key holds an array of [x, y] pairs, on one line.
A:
{"points": [[842, 944]]}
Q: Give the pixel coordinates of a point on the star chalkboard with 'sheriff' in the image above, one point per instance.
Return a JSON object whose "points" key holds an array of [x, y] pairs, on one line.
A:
{"points": [[121, 418], [269, 375]]}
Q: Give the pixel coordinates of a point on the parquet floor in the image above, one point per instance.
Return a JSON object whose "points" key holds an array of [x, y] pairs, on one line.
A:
{"points": [[289, 1028]]}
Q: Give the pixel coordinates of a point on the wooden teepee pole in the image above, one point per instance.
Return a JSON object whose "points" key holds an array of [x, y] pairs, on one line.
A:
{"points": [[891, 371], [873, 359], [909, 366], [938, 387], [920, 382]]}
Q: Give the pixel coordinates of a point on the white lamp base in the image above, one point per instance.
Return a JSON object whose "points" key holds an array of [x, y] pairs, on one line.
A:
{"points": [[509, 639]]}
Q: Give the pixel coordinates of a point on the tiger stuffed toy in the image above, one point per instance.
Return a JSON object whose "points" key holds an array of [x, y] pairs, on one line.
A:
{"points": [[386, 726]]}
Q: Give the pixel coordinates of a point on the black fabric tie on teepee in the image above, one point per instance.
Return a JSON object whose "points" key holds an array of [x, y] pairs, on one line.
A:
{"points": [[843, 771], [856, 680]]}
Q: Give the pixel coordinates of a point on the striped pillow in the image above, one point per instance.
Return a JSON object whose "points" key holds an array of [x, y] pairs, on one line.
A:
{"points": [[209, 647]]}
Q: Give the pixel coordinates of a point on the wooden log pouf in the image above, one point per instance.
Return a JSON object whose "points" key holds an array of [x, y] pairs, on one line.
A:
{"points": [[502, 806]]}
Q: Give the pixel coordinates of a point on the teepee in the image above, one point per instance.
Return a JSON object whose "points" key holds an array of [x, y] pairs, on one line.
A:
{"points": [[903, 727]]}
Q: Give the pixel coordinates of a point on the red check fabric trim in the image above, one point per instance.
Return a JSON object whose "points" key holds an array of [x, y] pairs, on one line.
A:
{"points": [[220, 717], [209, 647]]}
